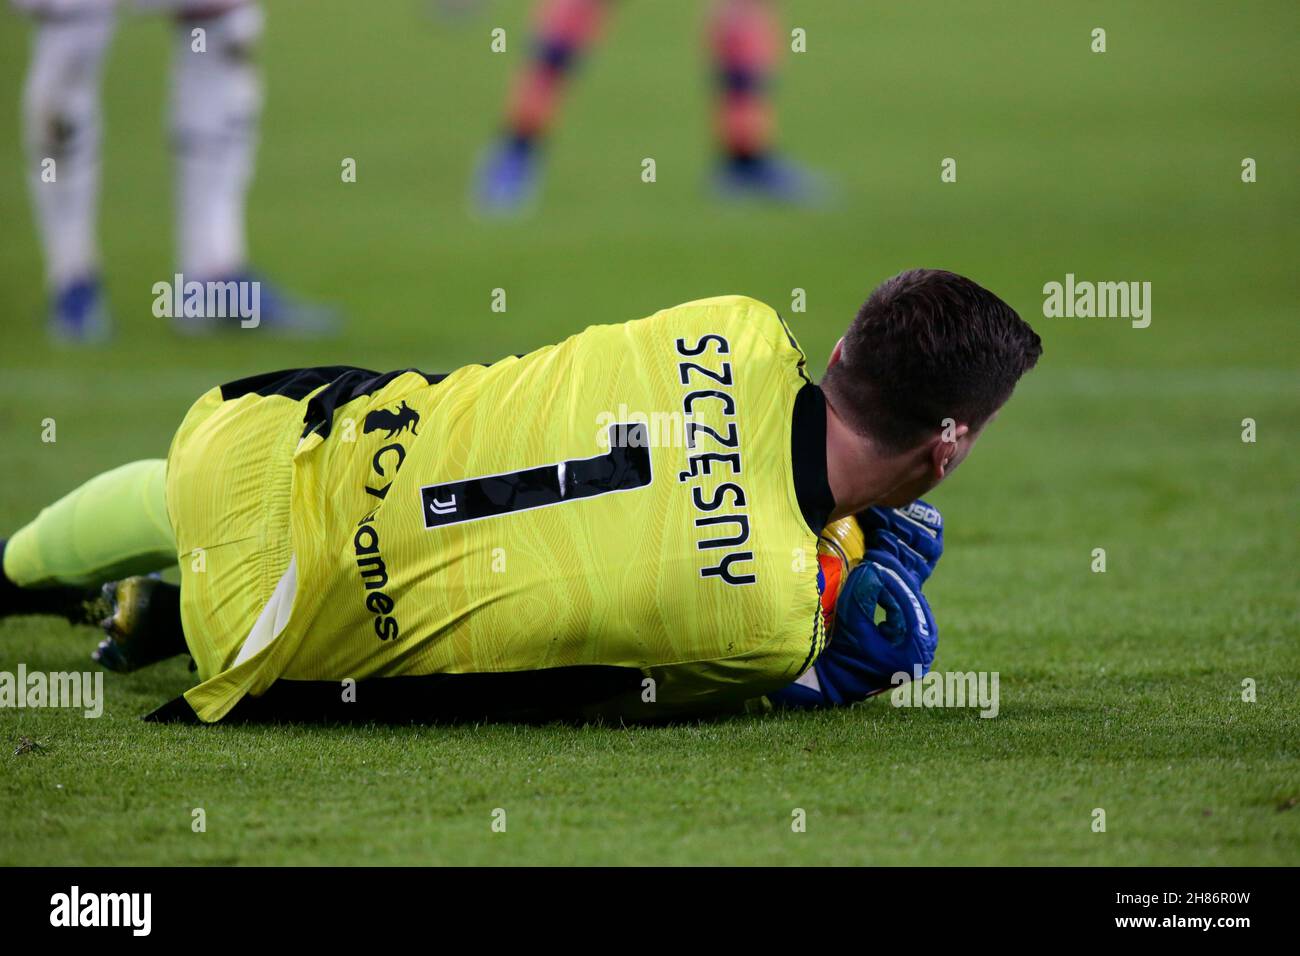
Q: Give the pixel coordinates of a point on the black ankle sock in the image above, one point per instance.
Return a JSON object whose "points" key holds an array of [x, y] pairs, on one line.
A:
{"points": [[521, 142], [63, 600], [165, 608], [744, 162]]}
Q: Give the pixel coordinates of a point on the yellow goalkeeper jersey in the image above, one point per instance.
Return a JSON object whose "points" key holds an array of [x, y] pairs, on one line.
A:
{"points": [[645, 495]]}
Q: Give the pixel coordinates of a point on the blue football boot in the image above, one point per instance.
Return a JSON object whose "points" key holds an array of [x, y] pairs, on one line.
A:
{"points": [[507, 178], [769, 178], [78, 313], [250, 302]]}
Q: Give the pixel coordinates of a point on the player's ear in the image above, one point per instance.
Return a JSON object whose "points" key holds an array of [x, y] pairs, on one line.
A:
{"points": [[836, 353], [943, 449]]}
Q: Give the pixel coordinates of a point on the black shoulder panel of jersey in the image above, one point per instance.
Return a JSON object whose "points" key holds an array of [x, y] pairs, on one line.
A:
{"points": [[808, 457], [803, 359], [342, 383], [353, 383], [349, 384], [295, 383]]}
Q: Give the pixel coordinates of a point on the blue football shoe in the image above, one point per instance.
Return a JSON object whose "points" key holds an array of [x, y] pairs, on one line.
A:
{"points": [[247, 302], [507, 178], [770, 178], [79, 313]]}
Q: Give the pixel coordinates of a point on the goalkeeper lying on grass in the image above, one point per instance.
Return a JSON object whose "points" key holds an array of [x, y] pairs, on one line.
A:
{"points": [[625, 524]]}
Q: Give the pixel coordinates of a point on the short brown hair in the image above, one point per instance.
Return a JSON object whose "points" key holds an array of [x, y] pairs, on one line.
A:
{"points": [[928, 345]]}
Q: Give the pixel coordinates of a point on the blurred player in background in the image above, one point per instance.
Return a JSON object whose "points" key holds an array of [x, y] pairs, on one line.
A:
{"points": [[745, 40], [215, 106]]}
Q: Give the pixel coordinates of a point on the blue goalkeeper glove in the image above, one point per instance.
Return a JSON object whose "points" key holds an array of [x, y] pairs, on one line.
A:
{"points": [[913, 534], [863, 656]]}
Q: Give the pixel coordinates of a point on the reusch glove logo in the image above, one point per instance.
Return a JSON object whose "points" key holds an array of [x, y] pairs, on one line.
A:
{"points": [[925, 514]]}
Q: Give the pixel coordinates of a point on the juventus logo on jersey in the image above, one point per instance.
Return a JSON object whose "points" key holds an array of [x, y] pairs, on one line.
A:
{"points": [[437, 507]]}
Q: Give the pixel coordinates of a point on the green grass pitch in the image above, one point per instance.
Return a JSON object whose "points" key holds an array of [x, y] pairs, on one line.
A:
{"points": [[1120, 691]]}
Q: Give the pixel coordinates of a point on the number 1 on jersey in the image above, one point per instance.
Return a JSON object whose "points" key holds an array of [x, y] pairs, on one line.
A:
{"points": [[625, 467]]}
